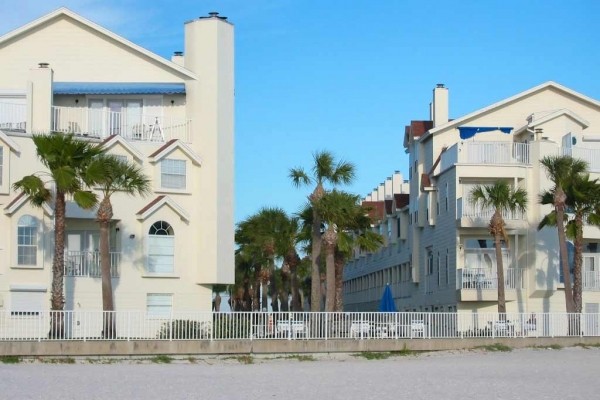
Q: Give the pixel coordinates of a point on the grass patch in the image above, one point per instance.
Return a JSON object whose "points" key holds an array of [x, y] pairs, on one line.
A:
{"points": [[549, 347], [162, 359], [62, 360], [404, 352], [370, 355], [245, 359], [10, 359], [192, 360], [587, 345], [300, 357], [495, 347]]}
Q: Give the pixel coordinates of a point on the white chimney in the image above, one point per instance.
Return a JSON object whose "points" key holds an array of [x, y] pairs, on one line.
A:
{"points": [[440, 105], [381, 192], [389, 188]]}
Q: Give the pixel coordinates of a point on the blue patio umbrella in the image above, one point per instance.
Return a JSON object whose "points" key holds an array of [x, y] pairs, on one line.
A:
{"points": [[387, 301]]}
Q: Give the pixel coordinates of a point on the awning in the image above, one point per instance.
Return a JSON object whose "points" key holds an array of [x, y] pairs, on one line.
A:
{"points": [[82, 88], [467, 132]]}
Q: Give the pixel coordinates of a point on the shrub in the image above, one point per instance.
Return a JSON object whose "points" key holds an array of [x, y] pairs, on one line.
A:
{"points": [[185, 329]]}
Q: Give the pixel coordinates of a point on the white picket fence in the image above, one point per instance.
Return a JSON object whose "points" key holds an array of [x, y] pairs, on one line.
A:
{"points": [[139, 325]]}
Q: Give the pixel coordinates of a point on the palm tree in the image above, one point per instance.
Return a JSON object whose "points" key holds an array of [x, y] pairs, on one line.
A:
{"points": [[347, 224], [502, 198], [66, 159], [111, 175], [325, 169], [560, 170], [258, 236], [356, 234], [583, 200]]}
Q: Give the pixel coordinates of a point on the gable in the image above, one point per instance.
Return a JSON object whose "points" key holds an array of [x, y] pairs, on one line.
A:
{"points": [[158, 203], [515, 111], [117, 142], [172, 146], [78, 50]]}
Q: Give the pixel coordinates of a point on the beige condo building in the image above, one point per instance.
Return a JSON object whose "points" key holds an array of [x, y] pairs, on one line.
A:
{"points": [[438, 253], [64, 73]]}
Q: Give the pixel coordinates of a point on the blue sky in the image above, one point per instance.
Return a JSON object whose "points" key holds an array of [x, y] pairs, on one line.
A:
{"points": [[346, 76]]}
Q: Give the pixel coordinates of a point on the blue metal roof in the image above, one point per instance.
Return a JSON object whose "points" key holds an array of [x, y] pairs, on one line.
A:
{"points": [[118, 88]]}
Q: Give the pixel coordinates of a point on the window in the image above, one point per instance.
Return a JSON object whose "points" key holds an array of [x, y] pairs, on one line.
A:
{"points": [[159, 304], [27, 240], [120, 157], [429, 261], [161, 249], [26, 302], [446, 196], [447, 271], [439, 269], [172, 174], [398, 227]]}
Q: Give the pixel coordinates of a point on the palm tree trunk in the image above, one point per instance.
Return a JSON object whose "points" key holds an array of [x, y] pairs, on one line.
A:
{"points": [[330, 240], [57, 298], [339, 281], [500, 277], [296, 300], [559, 205], [577, 267], [104, 215], [315, 252]]}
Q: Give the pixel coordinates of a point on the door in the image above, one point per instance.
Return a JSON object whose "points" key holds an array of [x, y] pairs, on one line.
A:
{"points": [[95, 120], [135, 127], [115, 117]]}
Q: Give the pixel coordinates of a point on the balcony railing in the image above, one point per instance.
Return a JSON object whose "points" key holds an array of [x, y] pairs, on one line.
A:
{"points": [[87, 264], [13, 116], [466, 209], [591, 156], [132, 126], [487, 279], [488, 153]]}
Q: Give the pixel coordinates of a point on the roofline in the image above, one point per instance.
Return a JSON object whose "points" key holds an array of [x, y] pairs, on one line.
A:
{"points": [[548, 84], [98, 28]]}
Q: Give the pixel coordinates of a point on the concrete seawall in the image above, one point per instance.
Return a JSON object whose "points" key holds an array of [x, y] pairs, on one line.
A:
{"points": [[183, 347]]}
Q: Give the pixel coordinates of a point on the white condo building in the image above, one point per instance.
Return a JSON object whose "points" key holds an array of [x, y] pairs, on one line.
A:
{"points": [[438, 253], [64, 73]]}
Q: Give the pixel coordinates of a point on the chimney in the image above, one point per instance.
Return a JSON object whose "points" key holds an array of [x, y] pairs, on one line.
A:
{"points": [[389, 188], [177, 58], [439, 108], [397, 182], [374, 195], [381, 192]]}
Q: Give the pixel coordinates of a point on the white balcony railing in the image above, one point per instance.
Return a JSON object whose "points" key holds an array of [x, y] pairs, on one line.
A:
{"points": [[467, 209], [132, 126], [87, 264], [13, 116], [487, 279], [591, 280], [591, 156], [494, 153]]}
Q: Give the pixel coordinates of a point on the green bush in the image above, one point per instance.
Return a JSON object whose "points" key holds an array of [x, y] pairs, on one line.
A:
{"points": [[185, 329]]}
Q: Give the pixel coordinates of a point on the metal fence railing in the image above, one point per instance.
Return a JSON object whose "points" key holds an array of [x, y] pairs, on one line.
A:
{"points": [[139, 325]]}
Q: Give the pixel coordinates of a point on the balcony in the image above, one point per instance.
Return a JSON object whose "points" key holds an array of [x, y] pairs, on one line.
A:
{"points": [[481, 284], [13, 117], [591, 156], [472, 215], [87, 264], [486, 153], [131, 125]]}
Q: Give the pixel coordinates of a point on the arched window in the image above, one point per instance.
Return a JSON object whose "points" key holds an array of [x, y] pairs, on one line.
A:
{"points": [[27, 240], [161, 249]]}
